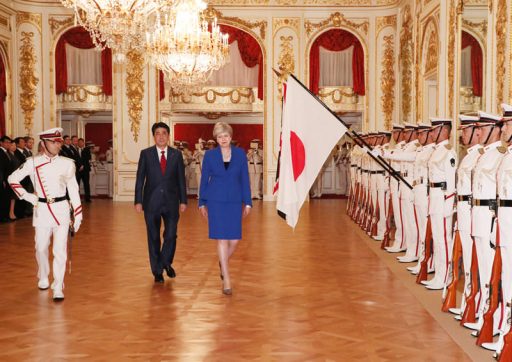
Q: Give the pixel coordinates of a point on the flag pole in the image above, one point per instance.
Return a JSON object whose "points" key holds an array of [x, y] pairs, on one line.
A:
{"points": [[355, 136]]}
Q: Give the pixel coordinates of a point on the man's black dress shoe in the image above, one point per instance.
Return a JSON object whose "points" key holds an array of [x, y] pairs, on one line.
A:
{"points": [[159, 278], [170, 272]]}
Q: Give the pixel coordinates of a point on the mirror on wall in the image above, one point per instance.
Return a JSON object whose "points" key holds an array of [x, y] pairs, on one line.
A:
{"points": [[472, 59]]}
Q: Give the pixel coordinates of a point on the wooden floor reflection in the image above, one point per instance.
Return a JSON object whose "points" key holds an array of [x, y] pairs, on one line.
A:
{"points": [[314, 294]]}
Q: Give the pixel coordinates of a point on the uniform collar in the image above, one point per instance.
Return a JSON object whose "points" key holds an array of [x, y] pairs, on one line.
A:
{"points": [[442, 143], [492, 146], [474, 148], [46, 157]]}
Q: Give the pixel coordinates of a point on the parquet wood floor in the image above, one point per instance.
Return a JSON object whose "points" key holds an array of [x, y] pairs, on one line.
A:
{"points": [[318, 293]]}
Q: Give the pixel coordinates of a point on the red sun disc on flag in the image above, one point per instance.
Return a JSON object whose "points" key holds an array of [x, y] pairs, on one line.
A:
{"points": [[298, 155]]}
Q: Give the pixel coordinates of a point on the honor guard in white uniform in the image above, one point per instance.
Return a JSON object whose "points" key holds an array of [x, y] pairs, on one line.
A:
{"points": [[399, 243], [352, 207], [187, 161], [198, 161], [504, 239], [52, 175], [484, 208], [442, 167], [382, 183], [109, 156], [255, 165], [342, 164], [464, 198], [419, 183]]}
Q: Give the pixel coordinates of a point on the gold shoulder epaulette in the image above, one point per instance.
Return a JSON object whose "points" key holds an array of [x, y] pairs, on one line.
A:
{"points": [[417, 144], [502, 149], [448, 146], [481, 150]]}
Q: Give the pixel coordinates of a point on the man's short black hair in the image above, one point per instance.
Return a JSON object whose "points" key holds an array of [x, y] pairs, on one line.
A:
{"points": [[28, 138], [5, 139], [74, 136], [81, 139], [65, 137], [160, 125], [18, 139]]}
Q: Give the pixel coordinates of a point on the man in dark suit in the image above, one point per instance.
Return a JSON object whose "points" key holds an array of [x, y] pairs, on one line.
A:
{"points": [[161, 192], [85, 160], [66, 147], [5, 171]]}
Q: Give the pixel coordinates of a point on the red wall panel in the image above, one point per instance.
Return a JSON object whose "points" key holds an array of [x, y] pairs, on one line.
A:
{"points": [[99, 134]]}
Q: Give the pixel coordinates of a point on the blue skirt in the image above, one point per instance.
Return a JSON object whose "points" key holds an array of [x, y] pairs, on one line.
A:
{"points": [[224, 220]]}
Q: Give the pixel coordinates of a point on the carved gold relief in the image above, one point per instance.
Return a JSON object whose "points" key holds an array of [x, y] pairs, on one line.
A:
{"points": [[135, 90], [4, 21], [432, 53], [406, 54], [339, 2], [213, 115], [480, 27], [285, 62], [239, 2], [387, 85], [386, 21], [211, 13], [417, 68], [336, 20], [451, 55], [23, 17], [56, 24], [279, 23], [28, 79], [501, 38], [286, 2]]}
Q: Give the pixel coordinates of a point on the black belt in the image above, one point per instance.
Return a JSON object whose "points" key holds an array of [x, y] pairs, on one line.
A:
{"points": [[353, 165], [381, 172], [484, 202], [505, 203], [437, 184], [464, 198], [365, 171], [51, 200], [257, 163]]}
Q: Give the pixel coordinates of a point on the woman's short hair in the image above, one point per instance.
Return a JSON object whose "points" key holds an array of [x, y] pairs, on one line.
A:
{"points": [[222, 127]]}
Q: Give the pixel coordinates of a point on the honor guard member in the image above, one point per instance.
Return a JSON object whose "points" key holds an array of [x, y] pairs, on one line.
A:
{"points": [[423, 153], [198, 161], [52, 175], [399, 243], [187, 161], [342, 167], [504, 183], [484, 208], [464, 196], [363, 180], [354, 155], [442, 167], [211, 144], [382, 185], [109, 156], [255, 164]]}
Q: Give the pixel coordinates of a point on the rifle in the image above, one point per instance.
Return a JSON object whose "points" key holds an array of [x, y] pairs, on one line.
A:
{"points": [[369, 216], [450, 301], [506, 351], [376, 219], [486, 331], [71, 232], [469, 314], [387, 238], [422, 275]]}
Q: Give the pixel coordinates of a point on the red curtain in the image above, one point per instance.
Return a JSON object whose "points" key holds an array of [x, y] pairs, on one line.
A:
{"points": [[3, 96], [249, 50], [191, 132], [337, 40], [161, 84], [79, 38], [99, 134], [476, 61]]}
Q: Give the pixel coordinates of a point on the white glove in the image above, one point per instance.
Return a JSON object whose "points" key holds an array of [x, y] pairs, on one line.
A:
{"points": [[375, 153], [77, 223], [32, 198]]}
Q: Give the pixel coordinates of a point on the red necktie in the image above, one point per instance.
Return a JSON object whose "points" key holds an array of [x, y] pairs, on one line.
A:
{"points": [[163, 162]]}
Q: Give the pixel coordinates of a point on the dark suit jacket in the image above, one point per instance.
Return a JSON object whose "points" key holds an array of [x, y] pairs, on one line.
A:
{"points": [[5, 167], [152, 188], [219, 184], [85, 159]]}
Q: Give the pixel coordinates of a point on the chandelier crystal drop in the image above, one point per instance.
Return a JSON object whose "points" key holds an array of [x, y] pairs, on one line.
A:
{"points": [[117, 24], [185, 46]]}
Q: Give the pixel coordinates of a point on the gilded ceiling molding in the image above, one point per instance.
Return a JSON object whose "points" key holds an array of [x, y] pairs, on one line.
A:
{"points": [[385, 21], [28, 79], [135, 90], [4, 21], [285, 62], [387, 85], [278, 23], [479, 28], [475, 2], [336, 20], [286, 2], [34, 19], [501, 38], [56, 24], [406, 63], [452, 23], [211, 13], [339, 2], [240, 2]]}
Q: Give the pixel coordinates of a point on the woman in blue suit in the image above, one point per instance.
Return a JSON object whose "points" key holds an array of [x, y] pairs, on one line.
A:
{"points": [[225, 196]]}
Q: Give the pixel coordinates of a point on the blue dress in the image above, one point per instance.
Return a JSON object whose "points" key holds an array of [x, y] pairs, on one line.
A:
{"points": [[224, 190]]}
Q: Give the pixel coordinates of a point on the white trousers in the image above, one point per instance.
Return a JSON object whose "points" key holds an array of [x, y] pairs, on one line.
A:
{"points": [[397, 215], [421, 219], [383, 197], [485, 256], [255, 179], [409, 224], [443, 245], [60, 238]]}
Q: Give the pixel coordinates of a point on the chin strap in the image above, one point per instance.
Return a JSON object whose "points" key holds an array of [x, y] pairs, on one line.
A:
{"points": [[472, 134], [489, 135], [47, 150]]}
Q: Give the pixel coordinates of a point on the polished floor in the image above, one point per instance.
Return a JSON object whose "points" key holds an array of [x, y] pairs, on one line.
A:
{"points": [[319, 293]]}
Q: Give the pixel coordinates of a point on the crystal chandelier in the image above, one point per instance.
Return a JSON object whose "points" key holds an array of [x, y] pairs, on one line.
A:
{"points": [[116, 24], [185, 46]]}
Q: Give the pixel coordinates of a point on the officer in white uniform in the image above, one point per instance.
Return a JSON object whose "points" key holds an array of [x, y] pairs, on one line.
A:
{"points": [[255, 165], [464, 198], [382, 185], [187, 162], [484, 208], [51, 175], [442, 167], [504, 180], [109, 156], [198, 160]]}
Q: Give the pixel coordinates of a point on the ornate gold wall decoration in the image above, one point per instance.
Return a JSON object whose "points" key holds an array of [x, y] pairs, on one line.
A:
{"points": [[28, 79], [480, 27], [385, 21], [34, 19], [278, 23], [387, 85], [212, 13], [286, 2], [135, 90], [336, 20], [339, 2], [4, 21], [475, 2], [432, 53], [406, 69], [240, 2], [501, 38], [213, 115], [452, 23], [417, 67], [285, 62], [58, 23]]}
